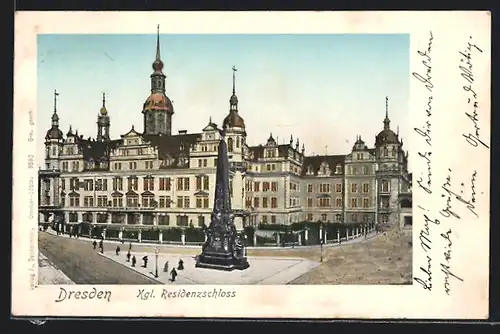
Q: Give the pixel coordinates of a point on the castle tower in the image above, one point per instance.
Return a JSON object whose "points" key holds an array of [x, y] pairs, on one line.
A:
{"points": [[103, 122], [53, 140], [158, 108], [235, 137], [388, 178]]}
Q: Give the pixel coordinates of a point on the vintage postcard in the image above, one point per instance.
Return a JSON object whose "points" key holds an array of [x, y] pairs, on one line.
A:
{"points": [[251, 164]]}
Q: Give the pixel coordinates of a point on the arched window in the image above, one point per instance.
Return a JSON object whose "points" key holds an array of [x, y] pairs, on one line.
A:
{"points": [[393, 151], [54, 150], [237, 141], [386, 152], [230, 144]]}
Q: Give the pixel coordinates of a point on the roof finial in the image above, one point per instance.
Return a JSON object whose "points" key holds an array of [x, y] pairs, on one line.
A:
{"points": [[56, 94], [234, 79], [210, 120], [397, 130], [103, 99], [386, 120], [158, 42]]}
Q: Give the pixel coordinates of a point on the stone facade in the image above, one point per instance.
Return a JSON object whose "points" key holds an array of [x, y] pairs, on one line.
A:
{"points": [[158, 179]]}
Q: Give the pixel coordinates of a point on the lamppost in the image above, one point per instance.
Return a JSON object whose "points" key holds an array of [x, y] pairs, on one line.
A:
{"points": [[245, 243], [321, 246], [157, 250]]}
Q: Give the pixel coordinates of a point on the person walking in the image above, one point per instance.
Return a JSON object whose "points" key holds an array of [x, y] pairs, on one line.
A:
{"points": [[128, 256], [173, 273], [134, 260], [95, 244], [117, 250]]}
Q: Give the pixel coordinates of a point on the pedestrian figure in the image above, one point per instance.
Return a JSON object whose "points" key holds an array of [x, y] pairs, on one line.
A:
{"points": [[134, 260], [165, 268], [173, 273], [95, 244], [128, 256], [101, 244], [181, 265], [117, 250], [145, 259], [130, 246]]}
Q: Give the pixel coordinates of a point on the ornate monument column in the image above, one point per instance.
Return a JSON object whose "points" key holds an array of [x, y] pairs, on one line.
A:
{"points": [[223, 249]]}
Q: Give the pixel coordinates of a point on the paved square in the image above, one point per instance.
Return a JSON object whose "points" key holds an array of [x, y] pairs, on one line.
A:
{"points": [[263, 270]]}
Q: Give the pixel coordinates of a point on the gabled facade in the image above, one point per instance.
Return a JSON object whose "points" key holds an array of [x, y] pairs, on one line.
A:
{"points": [[155, 179]]}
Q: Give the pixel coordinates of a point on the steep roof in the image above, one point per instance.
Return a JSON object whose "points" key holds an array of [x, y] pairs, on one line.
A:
{"points": [[315, 163]]}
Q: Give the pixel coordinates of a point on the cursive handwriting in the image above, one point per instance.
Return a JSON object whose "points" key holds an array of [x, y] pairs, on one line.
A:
{"points": [[425, 130], [426, 185], [449, 195], [445, 267], [427, 282], [467, 73]]}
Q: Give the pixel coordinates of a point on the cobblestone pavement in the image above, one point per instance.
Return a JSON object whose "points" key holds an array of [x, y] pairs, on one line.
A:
{"points": [[83, 265], [49, 274], [385, 259]]}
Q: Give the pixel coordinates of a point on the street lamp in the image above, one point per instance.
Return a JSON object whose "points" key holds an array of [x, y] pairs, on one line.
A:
{"points": [[157, 250], [245, 243], [321, 246]]}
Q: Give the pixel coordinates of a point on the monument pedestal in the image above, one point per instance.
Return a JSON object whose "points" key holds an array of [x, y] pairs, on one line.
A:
{"points": [[221, 261]]}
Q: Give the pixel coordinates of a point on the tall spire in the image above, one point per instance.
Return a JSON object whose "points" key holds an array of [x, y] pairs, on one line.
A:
{"points": [[55, 117], [234, 99], [386, 120], [158, 63], [103, 99], [158, 42]]}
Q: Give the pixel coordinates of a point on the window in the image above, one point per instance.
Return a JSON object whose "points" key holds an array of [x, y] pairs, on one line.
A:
{"points": [[268, 167], [338, 202], [265, 186], [324, 202], [205, 162], [132, 165], [65, 166], [63, 184], [365, 170], [147, 201], [353, 170], [183, 183], [186, 202], [164, 202], [149, 164], [205, 202], [338, 217], [354, 202], [366, 203], [117, 183], [201, 221], [230, 144], [149, 183], [338, 169], [198, 183], [354, 187], [309, 188], [133, 183], [385, 186], [102, 201], [237, 141], [255, 202], [117, 202], [74, 201], [164, 220], [199, 163], [206, 183], [274, 186], [132, 201], [88, 201], [118, 165], [309, 202], [215, 162], [256, 186], [264, 219], [310, 216], [180, 201], [264, 202], [273, 219], [354, 217], [385, 218], [165, 183], [324, 217], [338, 187], [324, 188], [385, 152], [366, 187], [274, 202], [393, 151]]}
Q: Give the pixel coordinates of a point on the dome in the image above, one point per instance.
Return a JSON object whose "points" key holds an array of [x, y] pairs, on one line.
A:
{"points": [[386, 136], [158, 101], [54, 133], [233, 120], [103, 111]]}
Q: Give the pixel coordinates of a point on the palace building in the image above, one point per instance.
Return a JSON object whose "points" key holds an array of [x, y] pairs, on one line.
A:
{"points": [[155, 178]]}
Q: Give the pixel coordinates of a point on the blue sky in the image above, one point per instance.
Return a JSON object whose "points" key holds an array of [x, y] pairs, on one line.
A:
{"points": [[323, 89]]}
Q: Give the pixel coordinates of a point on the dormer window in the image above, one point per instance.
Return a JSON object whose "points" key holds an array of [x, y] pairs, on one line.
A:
{"points": [[324, 169], [338, 169], [309, 170]]}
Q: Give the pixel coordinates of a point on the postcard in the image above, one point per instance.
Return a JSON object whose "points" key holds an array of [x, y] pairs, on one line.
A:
{"points": [[251, 164]]}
